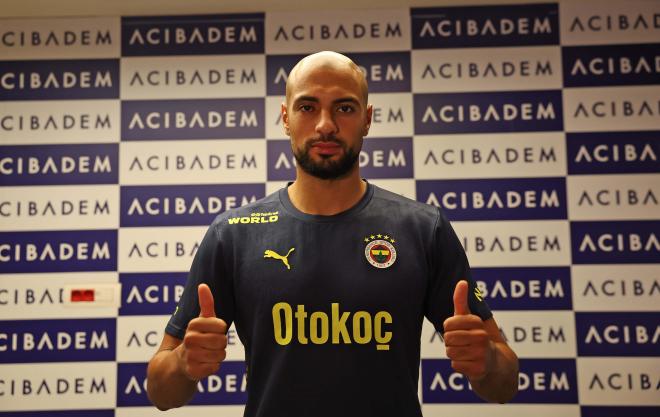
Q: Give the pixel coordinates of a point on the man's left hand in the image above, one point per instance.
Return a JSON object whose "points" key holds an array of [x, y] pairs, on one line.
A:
{"points": [[468, 345]]}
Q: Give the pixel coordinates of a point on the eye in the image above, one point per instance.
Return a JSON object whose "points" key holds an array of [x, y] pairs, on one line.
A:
{"points": [[345, 108], [305, 108]]}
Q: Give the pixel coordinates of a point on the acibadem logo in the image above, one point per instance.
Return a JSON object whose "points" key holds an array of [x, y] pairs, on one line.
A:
{"points": [[320, 328]]}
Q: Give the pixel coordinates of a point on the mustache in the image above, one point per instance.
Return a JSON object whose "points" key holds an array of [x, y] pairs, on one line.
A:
{"points": [[329, 138]]}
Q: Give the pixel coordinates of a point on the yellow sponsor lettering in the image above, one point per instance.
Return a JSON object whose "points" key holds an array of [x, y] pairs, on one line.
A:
{"points": [[254, 218], [320, 327], [362, 338], [382, 339], [283, 334], [340, 328]]}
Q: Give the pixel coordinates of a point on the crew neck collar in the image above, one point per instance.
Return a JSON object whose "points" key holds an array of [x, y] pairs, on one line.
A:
{"points": [[319, 218]]}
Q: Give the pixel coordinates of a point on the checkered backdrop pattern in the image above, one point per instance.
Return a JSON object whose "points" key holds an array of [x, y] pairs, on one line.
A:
{"points": [[535, 127]]}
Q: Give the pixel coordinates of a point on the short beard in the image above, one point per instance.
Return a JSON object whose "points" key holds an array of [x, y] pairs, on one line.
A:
{"points": [[326, 169]]}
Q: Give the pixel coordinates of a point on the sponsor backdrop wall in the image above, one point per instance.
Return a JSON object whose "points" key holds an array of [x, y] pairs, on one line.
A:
{"points": [[535, 127]]}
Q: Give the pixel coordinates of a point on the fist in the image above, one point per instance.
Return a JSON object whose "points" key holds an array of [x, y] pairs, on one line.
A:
{"points": [[203, 347], [468, 345]]}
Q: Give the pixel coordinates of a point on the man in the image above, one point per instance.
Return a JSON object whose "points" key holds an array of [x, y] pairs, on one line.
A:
{"points": [[329, 279]]}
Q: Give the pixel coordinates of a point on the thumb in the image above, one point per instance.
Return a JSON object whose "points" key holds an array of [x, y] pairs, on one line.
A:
{"points": [[461, 306], [206, 307]]}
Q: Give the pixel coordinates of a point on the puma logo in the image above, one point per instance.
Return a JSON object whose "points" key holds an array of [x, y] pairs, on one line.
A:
{"points": [[272, 254]]}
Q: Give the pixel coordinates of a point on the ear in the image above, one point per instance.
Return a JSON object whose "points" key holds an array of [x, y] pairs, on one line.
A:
{"points": [[367, 125], [285, 118]]}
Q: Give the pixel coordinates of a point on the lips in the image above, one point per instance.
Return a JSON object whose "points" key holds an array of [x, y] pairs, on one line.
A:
{"points": [[326, 148]]}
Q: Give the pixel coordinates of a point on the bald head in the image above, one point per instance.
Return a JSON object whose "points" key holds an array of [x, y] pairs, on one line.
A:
{"points": [[324, 61]]}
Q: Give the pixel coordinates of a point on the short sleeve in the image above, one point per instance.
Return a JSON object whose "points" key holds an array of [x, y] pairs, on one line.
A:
{"points": [[449, 266], [208, 267]]}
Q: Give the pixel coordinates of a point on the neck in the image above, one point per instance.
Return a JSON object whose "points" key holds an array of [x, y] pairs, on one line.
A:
{"points": [[313, 195]]}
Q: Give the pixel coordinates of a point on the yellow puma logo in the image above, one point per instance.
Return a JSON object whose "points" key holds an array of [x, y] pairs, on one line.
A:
{"points": [[272, 254]]}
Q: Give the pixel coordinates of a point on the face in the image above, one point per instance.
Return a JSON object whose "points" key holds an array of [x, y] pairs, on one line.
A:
{"points": [[326, 117]]}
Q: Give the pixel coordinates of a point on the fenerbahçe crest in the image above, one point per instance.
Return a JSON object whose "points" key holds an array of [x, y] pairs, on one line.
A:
{"points": [[380, 250]]}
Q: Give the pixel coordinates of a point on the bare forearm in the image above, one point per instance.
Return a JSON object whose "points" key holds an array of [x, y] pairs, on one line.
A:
{"points": [[167, 386], [501, 383]]}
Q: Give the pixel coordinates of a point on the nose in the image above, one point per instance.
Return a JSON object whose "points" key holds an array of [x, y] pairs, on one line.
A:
{"points": [[326, 125]]}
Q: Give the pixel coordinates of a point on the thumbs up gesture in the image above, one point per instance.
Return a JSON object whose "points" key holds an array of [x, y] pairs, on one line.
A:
{"points": [[468, 345], [205, 341]]}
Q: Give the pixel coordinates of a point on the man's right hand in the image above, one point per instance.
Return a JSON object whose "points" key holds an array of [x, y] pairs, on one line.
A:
{"points": [[204, 344]]}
